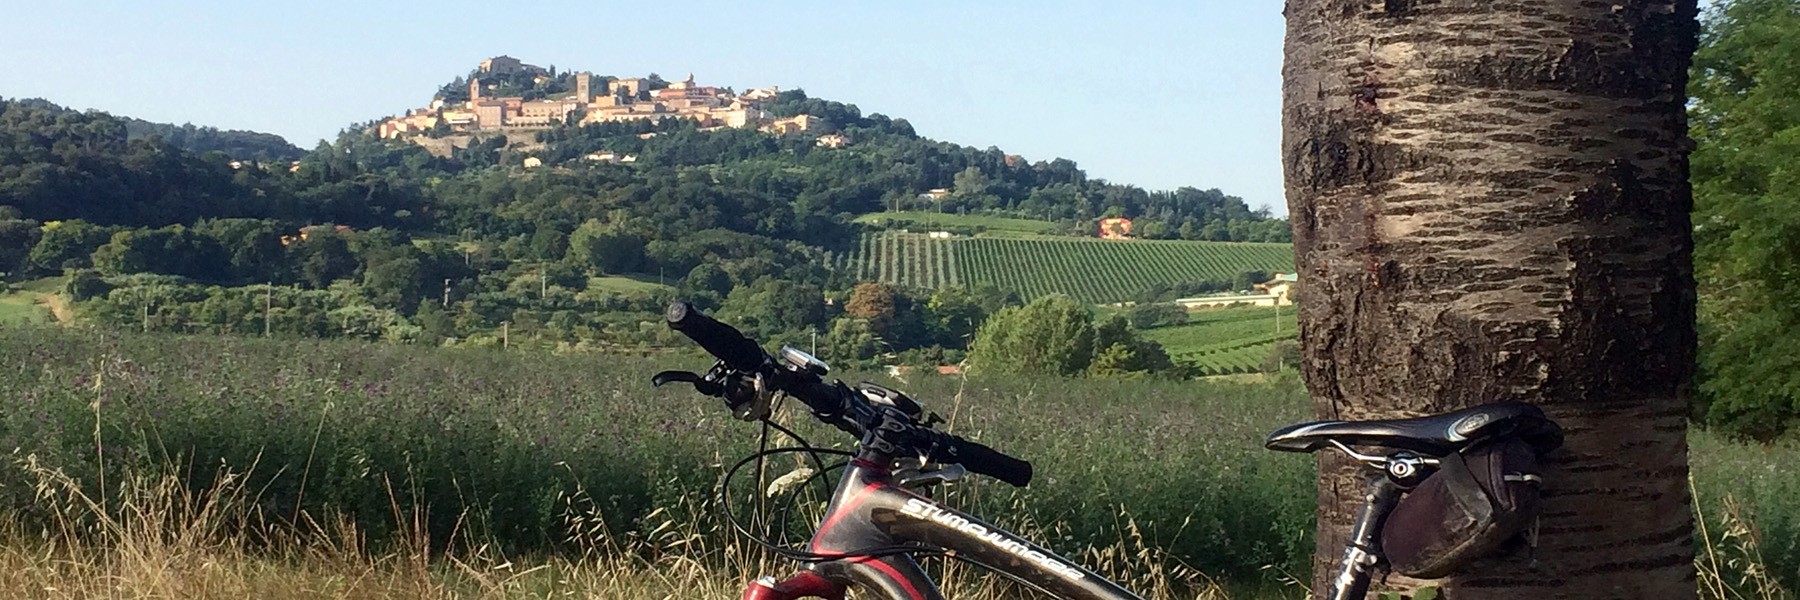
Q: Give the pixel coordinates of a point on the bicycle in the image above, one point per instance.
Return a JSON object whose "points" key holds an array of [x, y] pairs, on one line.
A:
{"points": [[875, 524]]}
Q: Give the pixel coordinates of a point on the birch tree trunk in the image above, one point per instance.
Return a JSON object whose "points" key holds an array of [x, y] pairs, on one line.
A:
{"points": [[1490, 202]]}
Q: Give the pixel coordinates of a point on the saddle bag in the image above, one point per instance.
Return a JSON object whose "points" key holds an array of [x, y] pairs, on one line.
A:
{"points": [[1471, 507]]}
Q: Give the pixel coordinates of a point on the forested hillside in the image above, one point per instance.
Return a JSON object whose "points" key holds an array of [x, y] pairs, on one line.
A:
{"points": [[375, 238]]}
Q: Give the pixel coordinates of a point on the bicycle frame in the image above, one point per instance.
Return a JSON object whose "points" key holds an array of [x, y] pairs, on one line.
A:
{"points": [[870, 510]]}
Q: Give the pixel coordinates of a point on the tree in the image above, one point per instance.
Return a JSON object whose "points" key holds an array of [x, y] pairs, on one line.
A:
{"points": [[957, 312], [1120, 353], [86, 284], [971, 183], [17, 237], [321, 258], [1489, 202], [172, 250], [872, 301], [606, 248], [850, 339], [772, 307], [253, 248], [549, 243], [1746, 125], [1153, 315], [1052, 335]]}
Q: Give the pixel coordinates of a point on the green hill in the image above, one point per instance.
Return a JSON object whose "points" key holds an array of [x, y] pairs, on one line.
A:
{"points": [[1090, 270]]}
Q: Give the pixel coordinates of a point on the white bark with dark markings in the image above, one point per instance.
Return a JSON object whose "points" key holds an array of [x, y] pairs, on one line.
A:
{"points": [[1490, 202]]}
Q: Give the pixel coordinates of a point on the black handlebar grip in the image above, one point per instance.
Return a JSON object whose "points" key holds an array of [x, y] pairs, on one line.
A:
{"points": [[723, 341], [984, 460]]}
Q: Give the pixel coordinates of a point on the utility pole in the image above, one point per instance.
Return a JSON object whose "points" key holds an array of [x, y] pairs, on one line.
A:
{"points": [[268, 305], [505, 337], [1278, 315], [446, 292], [543, 285]]}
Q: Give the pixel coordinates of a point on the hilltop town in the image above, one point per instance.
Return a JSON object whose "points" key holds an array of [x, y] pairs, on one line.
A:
{"points": [[587, 99]]}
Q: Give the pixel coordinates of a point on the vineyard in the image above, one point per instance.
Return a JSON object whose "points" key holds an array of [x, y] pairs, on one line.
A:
{"points": [[1226, 341], [1085, 269]]}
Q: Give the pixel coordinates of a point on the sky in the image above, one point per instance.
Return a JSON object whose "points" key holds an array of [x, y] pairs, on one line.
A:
{"points": [[1158, 94]]}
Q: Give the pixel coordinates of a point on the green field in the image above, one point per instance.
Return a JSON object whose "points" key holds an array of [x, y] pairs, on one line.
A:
{"points": [[1090, 270], [20, 301], [1226, 341], [625, 286], [992, 226]]}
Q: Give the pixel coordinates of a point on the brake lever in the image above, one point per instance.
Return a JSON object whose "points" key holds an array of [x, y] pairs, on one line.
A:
{"points": [[944, 475], [710, 388]]}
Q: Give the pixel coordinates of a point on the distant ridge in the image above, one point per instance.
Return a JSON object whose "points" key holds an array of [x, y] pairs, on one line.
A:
{"points": [[236, 143]]}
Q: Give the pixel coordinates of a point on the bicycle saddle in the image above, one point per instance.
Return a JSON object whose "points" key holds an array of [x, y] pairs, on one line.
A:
{"points": [[1436, 435]]}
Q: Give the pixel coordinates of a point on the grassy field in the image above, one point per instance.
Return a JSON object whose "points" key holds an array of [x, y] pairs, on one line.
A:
{"points": [[626, 286], [22, 303], [1226, 341], [1090, 270], [990, 225], [386, 471]]}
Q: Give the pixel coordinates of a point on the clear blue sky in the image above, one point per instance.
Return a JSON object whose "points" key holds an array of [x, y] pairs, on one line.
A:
{"points": [[1157, 94]]}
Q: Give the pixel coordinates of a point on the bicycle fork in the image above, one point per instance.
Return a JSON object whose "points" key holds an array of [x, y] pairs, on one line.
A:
{"points": [[805, 584]]}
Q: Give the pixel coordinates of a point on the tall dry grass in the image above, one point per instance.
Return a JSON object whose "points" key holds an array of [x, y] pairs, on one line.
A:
{"points": [[159, 539]]}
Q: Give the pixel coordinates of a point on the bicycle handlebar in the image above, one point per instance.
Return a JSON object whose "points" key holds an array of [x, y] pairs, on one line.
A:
{"points": [[978, 458], [723, 341], [846, 409]]}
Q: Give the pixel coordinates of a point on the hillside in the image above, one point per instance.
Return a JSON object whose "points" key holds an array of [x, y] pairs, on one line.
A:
{"points": [[238, 144], [1086, 269], [548, 236]]}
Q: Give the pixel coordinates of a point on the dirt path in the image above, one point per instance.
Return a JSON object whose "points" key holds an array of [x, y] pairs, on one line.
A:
{"points": [[58, 306]]}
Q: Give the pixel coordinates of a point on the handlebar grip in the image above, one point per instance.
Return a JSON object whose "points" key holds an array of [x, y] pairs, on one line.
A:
{"points": [[984, 460], [723, 341]]}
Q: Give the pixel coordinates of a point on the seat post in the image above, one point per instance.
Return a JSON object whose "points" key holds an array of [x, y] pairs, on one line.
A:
{"points": [[1363, 552]]}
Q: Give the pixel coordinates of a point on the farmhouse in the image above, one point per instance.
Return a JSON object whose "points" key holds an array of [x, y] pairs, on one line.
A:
{"points": [[1274, 292]]}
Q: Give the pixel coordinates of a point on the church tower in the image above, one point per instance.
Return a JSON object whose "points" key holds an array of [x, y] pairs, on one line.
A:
{"points": [[582, 94], [474, 90]]}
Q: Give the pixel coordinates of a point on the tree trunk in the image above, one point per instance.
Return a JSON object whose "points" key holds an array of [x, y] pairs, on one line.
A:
{"points": [[1490, 202]]}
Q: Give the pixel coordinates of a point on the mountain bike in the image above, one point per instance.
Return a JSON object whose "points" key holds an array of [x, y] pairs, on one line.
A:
{"points": [[876, 523]]}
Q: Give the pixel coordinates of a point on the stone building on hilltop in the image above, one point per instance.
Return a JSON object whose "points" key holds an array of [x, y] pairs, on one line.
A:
{"points": [[630, 99]]}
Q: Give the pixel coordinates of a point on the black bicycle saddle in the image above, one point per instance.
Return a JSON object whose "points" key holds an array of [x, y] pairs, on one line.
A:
{"points": [[1436, 435]]}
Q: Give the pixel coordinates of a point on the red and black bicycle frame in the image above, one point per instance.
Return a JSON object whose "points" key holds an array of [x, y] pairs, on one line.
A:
{"points": [[870, 510]]}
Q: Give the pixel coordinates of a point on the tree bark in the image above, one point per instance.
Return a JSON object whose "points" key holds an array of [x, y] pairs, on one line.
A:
{"points": [[1490, 202]]}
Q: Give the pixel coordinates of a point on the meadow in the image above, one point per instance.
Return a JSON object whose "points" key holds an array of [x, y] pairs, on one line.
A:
{"points": [[1090, 270], [478, 473], [24, 301]]}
